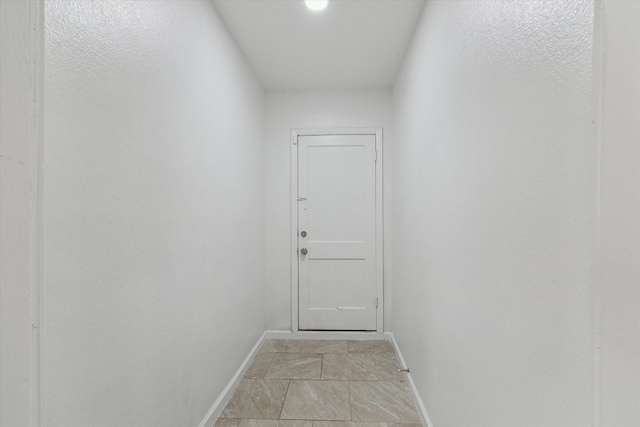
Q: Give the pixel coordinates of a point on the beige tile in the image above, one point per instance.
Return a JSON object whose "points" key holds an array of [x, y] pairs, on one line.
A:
{"points": [[281, 346], [346, 424], [295, 366], [324, 346], [317, 400], [259, 366], [377, 347], [389, 401], [276, 423], [360, 366], [257, 399], [227, 422]]}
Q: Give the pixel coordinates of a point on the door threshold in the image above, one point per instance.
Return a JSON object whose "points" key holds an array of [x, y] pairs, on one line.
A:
{"points": [[328, 335]]}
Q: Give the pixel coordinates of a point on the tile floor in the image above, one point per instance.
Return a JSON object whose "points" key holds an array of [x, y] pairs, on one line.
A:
{"points": [[294, 383]]}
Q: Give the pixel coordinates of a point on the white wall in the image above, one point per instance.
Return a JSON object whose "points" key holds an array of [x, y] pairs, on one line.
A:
{"points": [[20, 143], [492, 193], [618, 245], [154, 212], [286, 110]]}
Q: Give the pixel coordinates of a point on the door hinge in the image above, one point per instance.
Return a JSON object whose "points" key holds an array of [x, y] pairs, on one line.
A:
{"points": [[376, 155], [376, 302]]}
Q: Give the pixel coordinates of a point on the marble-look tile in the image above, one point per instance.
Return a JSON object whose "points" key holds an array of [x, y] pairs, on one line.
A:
{"points": [[257, 399], [317, 400], [377, 347], [276, 423], [360, 366], [281, 346], [347, 424], [324, 346], [227, 422], [389, 401], [406, 425], [259, 366], [295, 366]]}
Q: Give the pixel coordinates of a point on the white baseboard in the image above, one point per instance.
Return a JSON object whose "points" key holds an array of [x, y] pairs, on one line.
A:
{"points": [[216, 409], [324, 335], [423, 411]]}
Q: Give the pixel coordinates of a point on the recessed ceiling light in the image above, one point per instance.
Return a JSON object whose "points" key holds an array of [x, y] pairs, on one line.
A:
{"points": [[316, 4]]}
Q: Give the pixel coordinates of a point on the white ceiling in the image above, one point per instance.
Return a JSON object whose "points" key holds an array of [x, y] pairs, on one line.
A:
{"points": [[350, 44]]}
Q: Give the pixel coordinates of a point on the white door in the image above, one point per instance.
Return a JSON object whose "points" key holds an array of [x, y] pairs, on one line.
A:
{"points": [[337, 232]]}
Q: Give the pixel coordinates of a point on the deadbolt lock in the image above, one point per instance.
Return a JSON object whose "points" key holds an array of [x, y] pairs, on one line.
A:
{"points": [[303, 251], [303, 234]]}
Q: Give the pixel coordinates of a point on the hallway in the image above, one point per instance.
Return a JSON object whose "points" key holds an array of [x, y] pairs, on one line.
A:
{"points": [[155, 228], [327, 383]]}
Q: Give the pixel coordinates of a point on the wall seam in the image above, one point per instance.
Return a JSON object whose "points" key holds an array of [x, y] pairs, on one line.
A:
{"points": [[598, 73]]}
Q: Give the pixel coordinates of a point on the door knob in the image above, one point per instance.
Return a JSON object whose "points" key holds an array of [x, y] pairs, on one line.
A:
{"points": [[303, 251], [303, 234]]}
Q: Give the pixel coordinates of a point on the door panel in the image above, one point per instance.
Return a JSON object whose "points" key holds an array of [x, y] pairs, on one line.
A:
{"points": [[337, 209]]}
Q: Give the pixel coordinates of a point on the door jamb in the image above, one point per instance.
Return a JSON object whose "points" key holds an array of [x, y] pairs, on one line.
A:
{"points": [[377, 132]]}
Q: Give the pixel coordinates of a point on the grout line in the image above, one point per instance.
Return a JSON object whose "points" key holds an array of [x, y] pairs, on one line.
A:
{"points": [[350, 411], [285, 398], [273, 356]]}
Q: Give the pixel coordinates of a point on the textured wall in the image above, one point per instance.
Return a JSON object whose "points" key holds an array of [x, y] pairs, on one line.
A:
{"points": [[154, 207], [618, 288], [286, 110], [492, 212]]}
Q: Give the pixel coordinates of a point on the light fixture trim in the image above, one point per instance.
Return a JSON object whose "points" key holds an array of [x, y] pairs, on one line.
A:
{"points": [[316, 5]]}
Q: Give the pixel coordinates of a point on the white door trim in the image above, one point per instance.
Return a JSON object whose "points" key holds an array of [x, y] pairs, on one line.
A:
{"points": [[379, 217]]}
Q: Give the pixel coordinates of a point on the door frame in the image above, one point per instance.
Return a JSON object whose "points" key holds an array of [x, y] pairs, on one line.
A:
{"points": [[377, 132]]}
